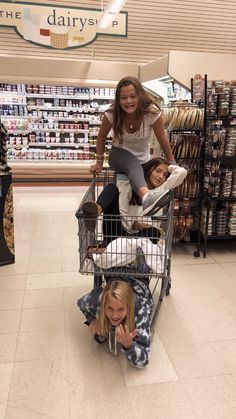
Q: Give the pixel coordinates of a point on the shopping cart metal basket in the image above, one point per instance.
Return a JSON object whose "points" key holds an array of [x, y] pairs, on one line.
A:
{"points": [[146, 258]]}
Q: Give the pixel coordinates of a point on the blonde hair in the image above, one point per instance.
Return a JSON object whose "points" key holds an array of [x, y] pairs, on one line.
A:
{"points": [[122, 291]]}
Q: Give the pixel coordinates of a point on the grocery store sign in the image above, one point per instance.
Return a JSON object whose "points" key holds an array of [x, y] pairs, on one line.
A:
{"points": [[59, 27]]}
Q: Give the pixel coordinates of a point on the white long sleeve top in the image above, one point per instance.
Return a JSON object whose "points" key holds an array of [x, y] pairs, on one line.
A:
{"points": [[130, 213]]}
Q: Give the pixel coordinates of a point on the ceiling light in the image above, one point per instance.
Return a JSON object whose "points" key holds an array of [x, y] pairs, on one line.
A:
{"points": [[110, 12]]}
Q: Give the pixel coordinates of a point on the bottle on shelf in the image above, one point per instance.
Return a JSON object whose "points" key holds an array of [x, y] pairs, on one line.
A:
{"points": [[55, 120]]}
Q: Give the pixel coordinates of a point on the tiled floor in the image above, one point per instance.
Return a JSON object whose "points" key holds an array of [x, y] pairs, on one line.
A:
{"points": [[51, 368]]}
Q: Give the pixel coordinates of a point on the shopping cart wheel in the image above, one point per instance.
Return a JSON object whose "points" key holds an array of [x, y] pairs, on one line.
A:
{"points": [[100, 338], [168, 288]]}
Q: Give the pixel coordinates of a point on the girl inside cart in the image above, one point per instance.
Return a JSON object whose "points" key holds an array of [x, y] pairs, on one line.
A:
{"points": [[121, 313], [133, 118], [122, 208]]}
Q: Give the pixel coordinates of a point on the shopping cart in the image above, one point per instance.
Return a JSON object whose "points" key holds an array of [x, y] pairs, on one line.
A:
{"points": [[147, 259]]}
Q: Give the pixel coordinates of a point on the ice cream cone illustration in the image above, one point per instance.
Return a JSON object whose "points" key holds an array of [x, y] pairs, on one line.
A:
{"points": [[59, 38]]}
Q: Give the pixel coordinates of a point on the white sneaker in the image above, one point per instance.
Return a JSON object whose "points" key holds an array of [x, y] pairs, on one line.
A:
{"points": [[155, 200]]}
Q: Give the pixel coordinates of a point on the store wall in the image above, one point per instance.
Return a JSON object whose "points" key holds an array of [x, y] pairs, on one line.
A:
{"points": [[61, 71], [183, 65], [154, 28]]}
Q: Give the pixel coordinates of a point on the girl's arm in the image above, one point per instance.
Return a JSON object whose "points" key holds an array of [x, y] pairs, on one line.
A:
{"points": [[138, 353], [177, 176], [89, 303], [140, 225], [128, 212], [158, 128], [101, 139]]}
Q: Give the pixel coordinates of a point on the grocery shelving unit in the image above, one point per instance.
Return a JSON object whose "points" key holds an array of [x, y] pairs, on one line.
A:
{"points": [[52, 129], [185, 124], [218, 221], [205, 204], [186, 219]]}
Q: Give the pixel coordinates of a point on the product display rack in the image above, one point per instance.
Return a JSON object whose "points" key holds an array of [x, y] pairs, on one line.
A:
{"points": [[218, 220], [186, 219], [48, 124], [185, 124]]}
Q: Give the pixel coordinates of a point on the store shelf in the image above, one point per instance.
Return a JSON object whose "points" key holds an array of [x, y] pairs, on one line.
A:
{"points": [[61, 108], [56, 96], [12, 103], [59, 144], [12, 93], [219, 186], [73, 97], [61, 118], [15, 132], [13, 117], [61, 130], [219, 198], [78, 110], [223, 237]]}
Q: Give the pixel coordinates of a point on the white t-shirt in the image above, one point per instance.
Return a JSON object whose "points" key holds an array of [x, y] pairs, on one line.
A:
{"points": [[138, 143]]}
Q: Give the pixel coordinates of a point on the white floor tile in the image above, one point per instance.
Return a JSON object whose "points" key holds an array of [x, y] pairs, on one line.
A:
{"points": [[9, 321], [3, 408], [5, 374], [39, 387], [160, 368], [11, 282], [55, 280], [39, 319], [212, 397], [51, 366], [226, 351], [44, 298], [40, 345], [160, 401], [195, 360], [11, 299], [7, 347]]}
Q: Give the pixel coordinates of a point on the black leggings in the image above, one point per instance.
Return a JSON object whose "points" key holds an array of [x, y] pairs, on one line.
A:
{"points": [[125, 162], [109, 201], [112, 225]]}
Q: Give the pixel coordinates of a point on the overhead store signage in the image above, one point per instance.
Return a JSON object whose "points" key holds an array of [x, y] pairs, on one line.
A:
{"points": [[59, 27]]}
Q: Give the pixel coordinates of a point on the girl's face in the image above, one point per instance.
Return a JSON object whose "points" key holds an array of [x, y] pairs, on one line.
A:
{"points": [[115, 310], [129, 99], [158, 175]]}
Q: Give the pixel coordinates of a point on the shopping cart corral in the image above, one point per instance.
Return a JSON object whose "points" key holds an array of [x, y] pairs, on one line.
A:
{"points": [[146, 259]]}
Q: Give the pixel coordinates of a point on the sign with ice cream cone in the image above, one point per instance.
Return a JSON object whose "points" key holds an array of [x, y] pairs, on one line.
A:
{"points": [[59, 27]]}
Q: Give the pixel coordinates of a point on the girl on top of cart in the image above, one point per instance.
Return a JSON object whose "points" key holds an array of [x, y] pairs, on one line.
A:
{"points": [[121, 312], [122, 207], [133, 118]]}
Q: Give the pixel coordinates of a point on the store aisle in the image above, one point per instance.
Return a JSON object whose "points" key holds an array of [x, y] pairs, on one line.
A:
{"points": [[50, 367]]}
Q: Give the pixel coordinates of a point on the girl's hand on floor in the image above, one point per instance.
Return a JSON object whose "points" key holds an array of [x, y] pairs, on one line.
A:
{"points": [[93, 327], [124, 336]]}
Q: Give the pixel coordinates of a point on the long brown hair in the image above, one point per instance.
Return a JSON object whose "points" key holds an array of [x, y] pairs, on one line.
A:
{"points": [[147, 104], [122, 291], [148, 168]]}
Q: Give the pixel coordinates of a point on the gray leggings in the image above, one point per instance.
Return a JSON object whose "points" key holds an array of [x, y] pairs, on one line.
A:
{"points": [[125, 162]]}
